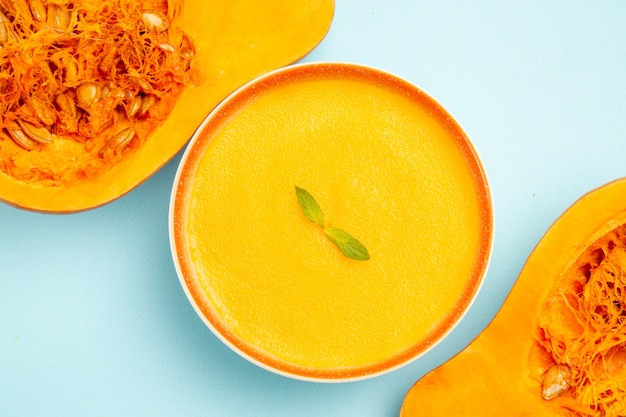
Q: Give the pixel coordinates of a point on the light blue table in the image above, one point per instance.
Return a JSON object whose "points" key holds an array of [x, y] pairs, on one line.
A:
{"points": [[93, 321]]}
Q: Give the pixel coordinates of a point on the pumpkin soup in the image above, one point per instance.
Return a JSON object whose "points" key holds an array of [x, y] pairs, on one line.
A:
{"points": [[387, 165]]}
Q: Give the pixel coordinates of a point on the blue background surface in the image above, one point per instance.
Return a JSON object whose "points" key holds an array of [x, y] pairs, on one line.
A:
{"points": [[93, 321]]}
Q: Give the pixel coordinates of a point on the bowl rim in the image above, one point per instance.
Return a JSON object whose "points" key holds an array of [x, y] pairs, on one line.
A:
{"points": [[480, 269]]}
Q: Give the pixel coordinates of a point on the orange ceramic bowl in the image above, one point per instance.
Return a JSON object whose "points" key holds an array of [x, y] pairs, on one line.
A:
{"points": [[387, 164]]}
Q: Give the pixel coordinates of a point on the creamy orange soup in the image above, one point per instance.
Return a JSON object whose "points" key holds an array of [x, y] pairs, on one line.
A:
{"points": [[385, 163]]}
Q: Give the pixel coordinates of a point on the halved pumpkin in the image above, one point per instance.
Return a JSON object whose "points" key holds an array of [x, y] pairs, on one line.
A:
{"points": [[557, 347], [235, 41]]}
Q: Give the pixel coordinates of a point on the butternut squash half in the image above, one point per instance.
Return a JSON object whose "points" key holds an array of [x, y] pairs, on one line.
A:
{"points": [[233, 41], [557, 347]]}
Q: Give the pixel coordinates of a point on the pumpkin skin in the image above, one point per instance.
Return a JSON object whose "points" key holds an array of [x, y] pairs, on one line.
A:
{"points": [[235, 41], [500, 372]]}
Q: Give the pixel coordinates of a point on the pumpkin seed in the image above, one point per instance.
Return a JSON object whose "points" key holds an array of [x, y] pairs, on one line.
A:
{"points": [[5, 30], [154, 21], [38, 10], [88, 94], [71, 70], [134, 106], [67, 105], [555, 381], [187, 48], [38, 134], [119, 141], [147, 102], [4, 33], [58, 17], [20, 138], [143, 84], [167, 47]]}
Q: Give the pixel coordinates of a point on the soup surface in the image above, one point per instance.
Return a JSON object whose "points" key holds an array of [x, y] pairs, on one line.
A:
{"points": [[386, 164]]}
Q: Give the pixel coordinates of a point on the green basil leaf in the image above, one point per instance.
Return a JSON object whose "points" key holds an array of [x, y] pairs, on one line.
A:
{"points": [[309, 206], [347, 244]]}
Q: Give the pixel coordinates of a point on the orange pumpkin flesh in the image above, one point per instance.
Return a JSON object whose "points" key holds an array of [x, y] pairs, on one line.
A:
{"points": [[502, 371], [235, 41]]}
